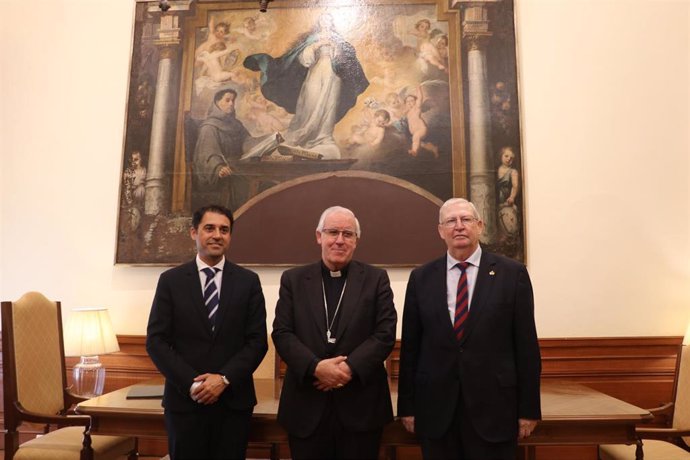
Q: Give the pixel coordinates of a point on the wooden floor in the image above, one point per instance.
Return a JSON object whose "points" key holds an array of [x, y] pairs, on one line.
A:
{"points": [[2, 455], [545, 453]]}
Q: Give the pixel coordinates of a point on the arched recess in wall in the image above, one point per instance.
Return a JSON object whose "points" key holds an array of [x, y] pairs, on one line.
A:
{"points": [[277, 227]]}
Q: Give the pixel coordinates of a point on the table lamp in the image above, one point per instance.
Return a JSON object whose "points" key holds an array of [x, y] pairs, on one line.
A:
{"points": [[89, 334]]}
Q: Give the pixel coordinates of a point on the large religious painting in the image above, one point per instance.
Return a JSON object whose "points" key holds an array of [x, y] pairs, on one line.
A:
{"points": [[387, 108]]}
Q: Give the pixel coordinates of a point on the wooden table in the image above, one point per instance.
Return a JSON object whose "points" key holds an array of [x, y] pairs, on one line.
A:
{"points": [[572, 414]]}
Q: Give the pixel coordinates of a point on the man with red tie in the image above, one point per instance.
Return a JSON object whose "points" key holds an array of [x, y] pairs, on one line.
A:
{"points": [[470, 362]]}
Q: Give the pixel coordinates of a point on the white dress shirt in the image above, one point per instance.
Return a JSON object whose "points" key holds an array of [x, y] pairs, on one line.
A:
{"points": [[200, 265]]}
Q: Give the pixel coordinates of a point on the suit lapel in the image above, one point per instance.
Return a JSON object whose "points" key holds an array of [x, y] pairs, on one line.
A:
{"points": [[197, 297], [225, 295], [439, 299], [313, 288], [483, 285], [353, 290]]}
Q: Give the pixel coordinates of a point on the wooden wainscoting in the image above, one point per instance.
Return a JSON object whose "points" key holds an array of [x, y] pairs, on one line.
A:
{"points": [[640, 370]]}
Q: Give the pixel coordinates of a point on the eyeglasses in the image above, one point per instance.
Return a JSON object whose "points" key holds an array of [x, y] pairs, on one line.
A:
{"points": [[348, 235], [464, 220]]}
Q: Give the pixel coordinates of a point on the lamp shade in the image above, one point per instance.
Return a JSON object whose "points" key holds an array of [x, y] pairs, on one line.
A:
{"points": [[89, 332]]}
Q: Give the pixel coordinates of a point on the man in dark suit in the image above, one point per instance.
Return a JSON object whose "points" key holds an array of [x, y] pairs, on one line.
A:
{"points": [[207, 335], [334, 327], [470, 361]]}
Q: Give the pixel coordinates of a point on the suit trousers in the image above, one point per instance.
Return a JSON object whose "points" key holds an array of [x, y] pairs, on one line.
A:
{"points": [[462, 442], [331, 441], [212, 432]]}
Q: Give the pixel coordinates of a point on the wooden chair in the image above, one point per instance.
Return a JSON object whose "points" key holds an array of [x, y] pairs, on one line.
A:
{"points": [[662, 443], [35, 388]]}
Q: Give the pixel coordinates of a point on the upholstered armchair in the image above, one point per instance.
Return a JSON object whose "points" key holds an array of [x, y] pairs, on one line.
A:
{"points": [[35, 388], [662, 443]]}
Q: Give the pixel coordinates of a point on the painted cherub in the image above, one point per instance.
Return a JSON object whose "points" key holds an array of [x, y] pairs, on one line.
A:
{"points": [[264, 114], [217, 33], [395, 106], [216, 60], [373, 135], [251, 30], [416, 124], [427, 52]]}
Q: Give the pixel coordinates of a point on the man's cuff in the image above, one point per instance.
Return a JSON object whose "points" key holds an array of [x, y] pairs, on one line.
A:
{"points": [[312, 367], [352, 369]]}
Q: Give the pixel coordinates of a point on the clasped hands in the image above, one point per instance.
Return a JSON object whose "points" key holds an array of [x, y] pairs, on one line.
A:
{"points": [[332, 373], [207, 388]]}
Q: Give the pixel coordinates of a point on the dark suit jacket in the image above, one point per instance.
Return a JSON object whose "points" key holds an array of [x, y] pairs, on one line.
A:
{"points": [[365, 334], [181, 344], [496, 366]]}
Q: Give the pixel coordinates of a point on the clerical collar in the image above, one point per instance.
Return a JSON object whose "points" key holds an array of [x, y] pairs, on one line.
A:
{"points": [[327, 273]]}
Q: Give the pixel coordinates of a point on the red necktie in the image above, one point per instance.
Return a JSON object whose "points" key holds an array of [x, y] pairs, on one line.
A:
{"points": [[462, 301]]}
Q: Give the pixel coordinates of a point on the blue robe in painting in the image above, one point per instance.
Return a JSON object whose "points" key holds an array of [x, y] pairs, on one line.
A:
{"points": [[282, 78]]}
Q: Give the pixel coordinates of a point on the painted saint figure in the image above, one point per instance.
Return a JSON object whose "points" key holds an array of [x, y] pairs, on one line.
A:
{"points": [[318, 80], [218, 148], [222, 144], [135, 181], [507, 188]]}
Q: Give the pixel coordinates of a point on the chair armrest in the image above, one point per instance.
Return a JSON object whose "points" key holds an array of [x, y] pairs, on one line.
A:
{"points": [[72, 399], [665, 409], [661, 433], [663, 414], [63, 420]]}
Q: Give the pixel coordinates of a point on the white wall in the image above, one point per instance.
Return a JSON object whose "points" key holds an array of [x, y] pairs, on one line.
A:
{"points": [[604, 88]]}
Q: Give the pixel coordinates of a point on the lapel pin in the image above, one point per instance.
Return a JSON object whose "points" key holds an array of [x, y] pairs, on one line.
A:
{"points": [[492, 273]]}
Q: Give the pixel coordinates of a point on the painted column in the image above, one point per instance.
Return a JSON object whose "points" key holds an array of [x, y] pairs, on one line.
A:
{"points": [[157, 199], [482, 177], [157, 184]]}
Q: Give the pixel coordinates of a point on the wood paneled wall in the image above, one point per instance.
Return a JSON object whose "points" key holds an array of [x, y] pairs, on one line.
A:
{"points": [[639, 370]]}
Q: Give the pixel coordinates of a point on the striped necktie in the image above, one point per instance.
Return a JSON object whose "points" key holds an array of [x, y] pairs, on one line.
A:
{"points": [[462, 301], [211, 294]]}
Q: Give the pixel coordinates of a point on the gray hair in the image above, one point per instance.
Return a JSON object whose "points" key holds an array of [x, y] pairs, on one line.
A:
{"points": [[454, 201], [342, 210]]}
